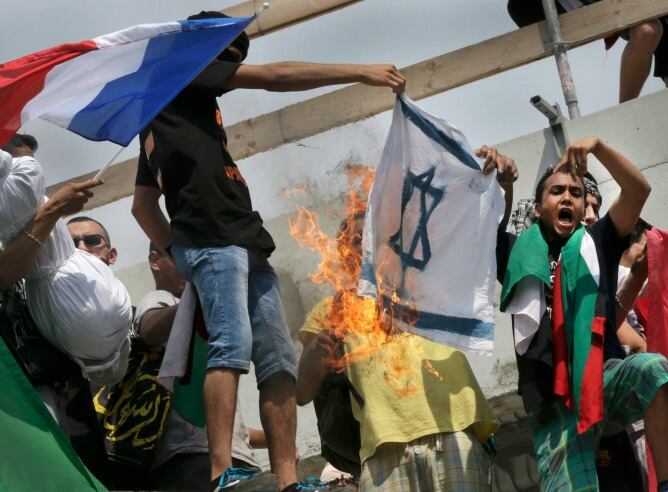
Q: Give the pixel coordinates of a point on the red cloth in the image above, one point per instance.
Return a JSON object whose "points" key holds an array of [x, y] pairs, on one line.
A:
{"points": [[590, 407], [562, 383], [641, 307], [656, 310], [656, 329]]}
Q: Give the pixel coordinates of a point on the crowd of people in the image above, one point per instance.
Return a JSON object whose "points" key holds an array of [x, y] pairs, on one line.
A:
{"points": [[374, 440]]}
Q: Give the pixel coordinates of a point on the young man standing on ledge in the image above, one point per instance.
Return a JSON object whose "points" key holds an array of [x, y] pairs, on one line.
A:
{"points": [[219, 244]]}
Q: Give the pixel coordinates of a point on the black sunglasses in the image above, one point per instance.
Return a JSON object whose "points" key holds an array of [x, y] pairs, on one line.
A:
{"points": [[90, 240]]}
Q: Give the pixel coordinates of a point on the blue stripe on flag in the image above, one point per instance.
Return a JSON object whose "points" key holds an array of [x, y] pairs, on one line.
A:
{"points": [[433, 132], [368, 273], [171, 61], [468, 327]]}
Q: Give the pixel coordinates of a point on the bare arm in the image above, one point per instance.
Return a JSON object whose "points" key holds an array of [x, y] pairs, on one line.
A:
{"points": [[628, 336], [149, 216], [301, 76], [257, 437], [628, 293], [314, 365], [156, 324], [635, 189], [19, 255]]}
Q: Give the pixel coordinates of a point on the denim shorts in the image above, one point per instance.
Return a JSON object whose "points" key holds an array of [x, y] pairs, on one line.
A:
{"points": [[240, 297]]}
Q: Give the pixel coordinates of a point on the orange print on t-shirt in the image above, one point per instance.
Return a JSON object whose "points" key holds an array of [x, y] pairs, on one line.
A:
{"points": [[233, 173]]}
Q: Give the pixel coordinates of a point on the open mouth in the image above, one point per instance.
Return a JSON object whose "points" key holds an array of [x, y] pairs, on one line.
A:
{"points": [[565, 216]]}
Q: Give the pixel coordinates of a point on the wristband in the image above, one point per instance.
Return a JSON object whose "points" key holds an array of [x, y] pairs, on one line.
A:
{"points": [[619, 303], [33, 238]]}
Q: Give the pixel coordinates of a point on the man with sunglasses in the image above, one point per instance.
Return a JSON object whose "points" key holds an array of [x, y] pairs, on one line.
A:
{"points": [[91, 236]]}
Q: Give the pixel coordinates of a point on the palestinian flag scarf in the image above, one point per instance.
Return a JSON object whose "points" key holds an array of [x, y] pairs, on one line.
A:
{"points": [[578, 319]]}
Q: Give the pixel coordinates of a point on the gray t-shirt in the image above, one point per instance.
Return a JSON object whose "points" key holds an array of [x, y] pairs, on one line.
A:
{"points": [[180, 436]]}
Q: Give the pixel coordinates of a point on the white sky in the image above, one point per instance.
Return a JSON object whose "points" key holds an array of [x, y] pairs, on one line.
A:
{"points": [[374, 31]]}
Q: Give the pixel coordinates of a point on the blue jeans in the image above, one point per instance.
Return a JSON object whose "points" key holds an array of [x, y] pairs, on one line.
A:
{"points": [[240, 298]]}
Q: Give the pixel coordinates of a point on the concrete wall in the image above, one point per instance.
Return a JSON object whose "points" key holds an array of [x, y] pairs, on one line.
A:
{"points": [[637, 128]]}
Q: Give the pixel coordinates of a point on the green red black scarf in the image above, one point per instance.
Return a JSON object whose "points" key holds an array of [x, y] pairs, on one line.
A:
{"points": [[578, 319]]}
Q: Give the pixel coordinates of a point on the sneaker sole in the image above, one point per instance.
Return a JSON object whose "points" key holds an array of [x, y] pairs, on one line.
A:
{"points": [[227, 486]]}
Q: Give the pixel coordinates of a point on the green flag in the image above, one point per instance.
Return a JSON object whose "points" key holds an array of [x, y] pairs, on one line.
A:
{"points": [[189, 398], [35, 454]]}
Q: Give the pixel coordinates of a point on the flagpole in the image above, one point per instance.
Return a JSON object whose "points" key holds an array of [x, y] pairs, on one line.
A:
{"points": [[262, 8], [106, 166]]}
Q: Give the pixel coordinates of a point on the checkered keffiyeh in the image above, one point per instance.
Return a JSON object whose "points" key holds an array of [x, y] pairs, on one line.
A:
{"points": [[591, 187], [522, 217]]}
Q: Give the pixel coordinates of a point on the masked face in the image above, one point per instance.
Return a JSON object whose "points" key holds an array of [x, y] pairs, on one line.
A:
{"points": [[231, 54]]}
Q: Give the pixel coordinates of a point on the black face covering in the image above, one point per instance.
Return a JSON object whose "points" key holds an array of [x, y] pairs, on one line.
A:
{"points": [[228, 56], [242, 42]]}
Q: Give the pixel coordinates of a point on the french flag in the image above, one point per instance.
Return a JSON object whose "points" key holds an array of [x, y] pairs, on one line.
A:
{"points": [[111, 87]]}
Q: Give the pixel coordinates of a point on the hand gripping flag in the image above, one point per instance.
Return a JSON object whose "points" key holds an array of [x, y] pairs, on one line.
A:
{"points": [[112, 86], [430, 232]]}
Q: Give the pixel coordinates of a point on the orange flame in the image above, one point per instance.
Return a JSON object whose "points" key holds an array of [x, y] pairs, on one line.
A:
{"points": [[352, 316]]}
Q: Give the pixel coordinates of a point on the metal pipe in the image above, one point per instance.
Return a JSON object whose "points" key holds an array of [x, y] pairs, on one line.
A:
{"points": [[560, 47]]}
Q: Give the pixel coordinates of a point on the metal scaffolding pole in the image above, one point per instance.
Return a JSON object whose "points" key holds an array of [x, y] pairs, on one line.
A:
{"points": [[564, 68]]}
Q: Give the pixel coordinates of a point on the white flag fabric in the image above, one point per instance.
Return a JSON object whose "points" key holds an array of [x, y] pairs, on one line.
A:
{"points": [[430, 232]]}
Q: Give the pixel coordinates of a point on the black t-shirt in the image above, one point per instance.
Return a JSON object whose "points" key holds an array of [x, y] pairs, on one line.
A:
{"points": [[183, 151], [535, 367]]}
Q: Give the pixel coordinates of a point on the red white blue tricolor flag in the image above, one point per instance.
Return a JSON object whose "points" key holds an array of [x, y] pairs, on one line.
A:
{"points": [[112, 86]]}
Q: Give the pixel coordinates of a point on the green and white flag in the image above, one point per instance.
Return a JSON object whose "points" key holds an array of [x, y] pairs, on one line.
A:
{"points": [[35, 454]]}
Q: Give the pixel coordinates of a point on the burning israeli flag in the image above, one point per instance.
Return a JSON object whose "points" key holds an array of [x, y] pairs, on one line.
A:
{"points": [[430, 233]]}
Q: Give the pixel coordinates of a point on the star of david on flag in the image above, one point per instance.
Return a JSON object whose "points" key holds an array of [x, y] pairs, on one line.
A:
{"points": [[430, 232]]}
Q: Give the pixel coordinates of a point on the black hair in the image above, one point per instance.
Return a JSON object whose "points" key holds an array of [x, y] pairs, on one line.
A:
{"points": [[242, 41], [83, 218], [540, 186], [20, 140], [638, 230]]}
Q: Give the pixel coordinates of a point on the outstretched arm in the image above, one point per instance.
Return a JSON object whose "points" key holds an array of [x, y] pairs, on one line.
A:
{"points": [[635, 189], [20, 254], [302, 76]]}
